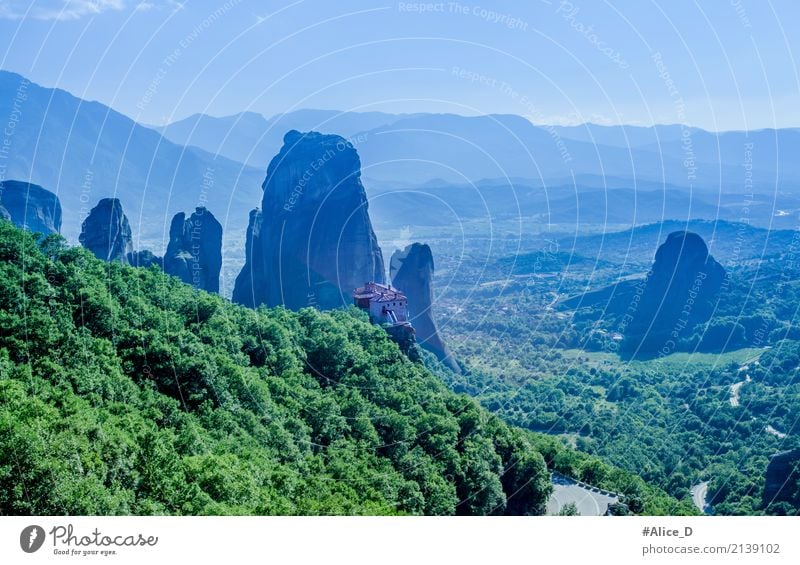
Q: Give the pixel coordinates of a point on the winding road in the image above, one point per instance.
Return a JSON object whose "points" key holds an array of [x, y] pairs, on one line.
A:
{"points": [[770, 430], [699, 496], [736, 388], [589, 501]]}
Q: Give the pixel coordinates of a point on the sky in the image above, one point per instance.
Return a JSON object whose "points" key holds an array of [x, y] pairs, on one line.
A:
{"points": [[718, 64]]}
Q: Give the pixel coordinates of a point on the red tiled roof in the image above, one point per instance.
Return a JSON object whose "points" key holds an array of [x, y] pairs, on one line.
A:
{"points": [[378, 292]]}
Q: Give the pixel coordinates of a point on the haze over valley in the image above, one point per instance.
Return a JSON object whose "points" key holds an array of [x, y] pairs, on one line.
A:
{"points": [[393, 260]]}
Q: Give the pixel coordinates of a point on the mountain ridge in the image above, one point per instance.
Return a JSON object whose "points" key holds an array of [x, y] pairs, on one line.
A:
{"points": [[574, 143], [111, 155]]}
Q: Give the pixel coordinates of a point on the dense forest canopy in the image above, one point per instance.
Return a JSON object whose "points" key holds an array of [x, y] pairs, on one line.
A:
{"points": [[125, 391], [711, 413]]}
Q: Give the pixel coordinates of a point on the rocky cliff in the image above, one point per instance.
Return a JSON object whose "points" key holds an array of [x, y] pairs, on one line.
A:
{"points": [[194, 251], [316, 242], [680, 292], [411, 271], [253, 273], [30, 206], [145, 259], [106, 232]]}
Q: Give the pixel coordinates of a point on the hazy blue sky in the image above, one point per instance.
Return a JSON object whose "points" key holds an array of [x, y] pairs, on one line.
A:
{"points": [[717, 64]]}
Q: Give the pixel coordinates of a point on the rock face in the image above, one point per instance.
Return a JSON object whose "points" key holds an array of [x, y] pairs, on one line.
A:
{"points": [[411, 271], [30, 206], [106, 232], [315, 241], [782, 481], [194, 251], [253, 273], [145, 259], [680, 293]]}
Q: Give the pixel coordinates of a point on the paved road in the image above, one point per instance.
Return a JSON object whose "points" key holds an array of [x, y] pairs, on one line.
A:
{"points": [[699, 495], [589, 503], [736, 389], [770, 430]]}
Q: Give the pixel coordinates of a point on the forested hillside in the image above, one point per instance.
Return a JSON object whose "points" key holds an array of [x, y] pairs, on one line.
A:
{"points": [[123, 390]]}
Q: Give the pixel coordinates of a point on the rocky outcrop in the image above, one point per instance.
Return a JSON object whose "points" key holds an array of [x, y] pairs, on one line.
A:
{"points": [[30, 206], [106, 232], [670, 310], [145, 259], [680, 292], [411, 271], [253, 273], [194, 251], [316, 242], [782, 480]]}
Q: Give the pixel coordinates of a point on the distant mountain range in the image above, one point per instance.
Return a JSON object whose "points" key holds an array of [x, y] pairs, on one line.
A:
{"points": [[84, 151], [416, 148], [253, 139], [425, 169], [579, 205], [729, 242]]}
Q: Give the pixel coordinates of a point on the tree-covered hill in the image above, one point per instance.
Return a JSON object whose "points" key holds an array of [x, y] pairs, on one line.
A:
{"points": [[125, 391]]}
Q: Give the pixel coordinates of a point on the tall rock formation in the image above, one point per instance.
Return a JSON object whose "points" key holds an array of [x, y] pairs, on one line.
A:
{"points": [[253, 273], [680, 292], [194, 251], [315, 241], [30, 206], [411, 271], [106, 232]]}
